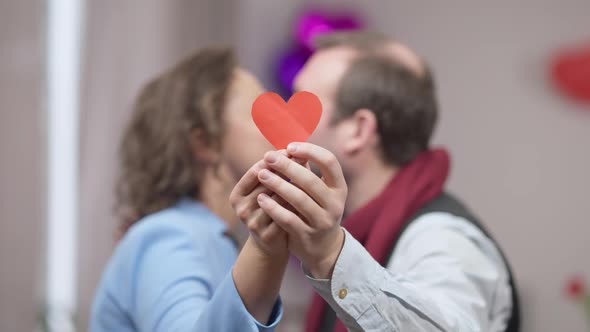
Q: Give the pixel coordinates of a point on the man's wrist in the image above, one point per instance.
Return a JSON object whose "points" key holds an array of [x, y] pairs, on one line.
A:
{"points": [[323, 267]]}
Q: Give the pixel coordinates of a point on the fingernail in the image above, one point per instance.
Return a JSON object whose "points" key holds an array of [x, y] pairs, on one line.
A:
{"points": [[292, 147], [262, 198], [271, 157], [264, 175]]}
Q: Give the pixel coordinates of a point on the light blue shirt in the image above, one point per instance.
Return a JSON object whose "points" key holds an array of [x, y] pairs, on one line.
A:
{"points": [[172, 272]]}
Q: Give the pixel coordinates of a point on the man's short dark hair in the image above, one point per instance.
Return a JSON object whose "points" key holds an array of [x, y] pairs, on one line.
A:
{"points": [[403, 100]]}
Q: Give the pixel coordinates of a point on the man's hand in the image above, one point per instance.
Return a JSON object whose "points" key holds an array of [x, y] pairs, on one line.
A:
{"points": [[313, 224]]}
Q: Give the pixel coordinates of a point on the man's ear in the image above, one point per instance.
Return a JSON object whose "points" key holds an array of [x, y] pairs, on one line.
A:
{"points": [[360, 131], [201, 147]]}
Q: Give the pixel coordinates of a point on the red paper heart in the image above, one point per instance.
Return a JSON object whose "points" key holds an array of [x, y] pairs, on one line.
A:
{"points": [[282, 123]]}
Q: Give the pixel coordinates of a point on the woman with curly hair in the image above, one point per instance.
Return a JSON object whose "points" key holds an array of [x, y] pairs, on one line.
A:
{"points": [[176, 267]]}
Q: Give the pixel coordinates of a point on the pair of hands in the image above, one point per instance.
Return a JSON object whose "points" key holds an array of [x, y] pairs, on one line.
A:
{"points": [[301, 215]]}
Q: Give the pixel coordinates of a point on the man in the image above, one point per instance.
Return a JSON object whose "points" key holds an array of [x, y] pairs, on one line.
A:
{"points": [[411, 257]]}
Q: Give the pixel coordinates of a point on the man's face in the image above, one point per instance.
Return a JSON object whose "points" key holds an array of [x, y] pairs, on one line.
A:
{"points": [[321, 76]]}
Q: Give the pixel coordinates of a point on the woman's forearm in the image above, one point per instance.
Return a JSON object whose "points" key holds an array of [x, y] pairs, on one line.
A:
{"points": [[258, 276]]}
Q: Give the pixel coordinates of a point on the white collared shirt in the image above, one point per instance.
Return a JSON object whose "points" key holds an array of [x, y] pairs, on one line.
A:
{"points": [[444, 275]]}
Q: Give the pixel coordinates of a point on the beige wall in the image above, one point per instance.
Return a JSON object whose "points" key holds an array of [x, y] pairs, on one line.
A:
{"points": [[22, 70]]}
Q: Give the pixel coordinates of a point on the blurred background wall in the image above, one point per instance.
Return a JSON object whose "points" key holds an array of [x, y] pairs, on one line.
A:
{"points": [[521, 155], [22, 158]]}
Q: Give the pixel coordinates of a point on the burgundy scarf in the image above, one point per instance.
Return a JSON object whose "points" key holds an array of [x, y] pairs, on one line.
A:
{"points": [[378, 224]]}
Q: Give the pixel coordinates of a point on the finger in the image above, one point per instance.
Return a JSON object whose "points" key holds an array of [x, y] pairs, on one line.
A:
{"points": [[246, 206], [258, 222], [296, 197], [247, 183], [286, 219], [300, 161], [300, 176], [250, 180], [326, 161], [271, 232], [280, 200], [250, 199], [257, 218]]}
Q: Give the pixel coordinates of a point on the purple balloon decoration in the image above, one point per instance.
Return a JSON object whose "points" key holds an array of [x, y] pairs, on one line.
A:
{"points": [[307, 27], [289, 65], [341, 23], [314, 23]]}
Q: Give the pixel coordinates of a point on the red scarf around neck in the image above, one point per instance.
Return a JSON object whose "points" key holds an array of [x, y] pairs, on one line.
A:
{"points": [[378, 224]]}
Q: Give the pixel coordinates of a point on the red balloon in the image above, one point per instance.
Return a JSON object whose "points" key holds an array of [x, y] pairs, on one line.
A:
{"points": [[571, 73]]}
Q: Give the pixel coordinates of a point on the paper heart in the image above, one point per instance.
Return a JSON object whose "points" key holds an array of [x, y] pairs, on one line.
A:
{"points": [[285, 122]]}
